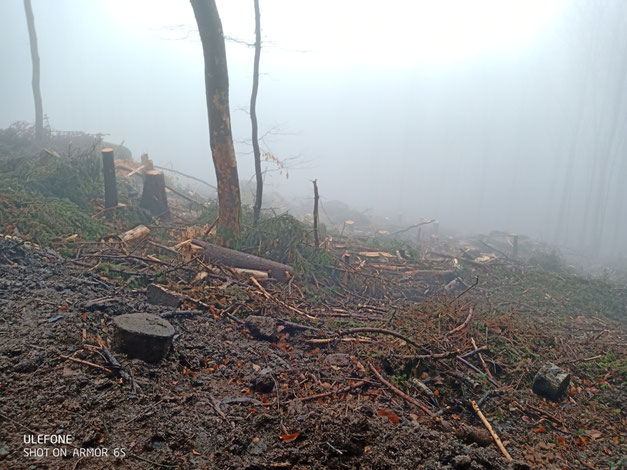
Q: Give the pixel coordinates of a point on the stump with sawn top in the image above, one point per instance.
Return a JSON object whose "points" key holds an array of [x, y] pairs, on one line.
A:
{"points": [[143, 336]]}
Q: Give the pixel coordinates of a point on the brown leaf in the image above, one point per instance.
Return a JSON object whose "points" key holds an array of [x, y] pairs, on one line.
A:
{"points": [[393, 417], [289, 437], [539, 429]]}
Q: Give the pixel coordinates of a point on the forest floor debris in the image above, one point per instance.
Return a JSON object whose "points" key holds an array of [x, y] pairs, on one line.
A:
{"points": [[338, 390]]}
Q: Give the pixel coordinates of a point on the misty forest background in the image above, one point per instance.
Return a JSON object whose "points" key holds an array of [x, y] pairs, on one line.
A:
{"points": [[526, 134]]}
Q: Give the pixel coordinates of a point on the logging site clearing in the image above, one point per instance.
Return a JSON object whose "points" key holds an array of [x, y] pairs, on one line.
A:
{"points": [[371, 350], [387, 235]]}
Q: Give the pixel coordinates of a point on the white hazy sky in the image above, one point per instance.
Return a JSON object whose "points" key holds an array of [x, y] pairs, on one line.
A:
{"points": [[455, 109]]}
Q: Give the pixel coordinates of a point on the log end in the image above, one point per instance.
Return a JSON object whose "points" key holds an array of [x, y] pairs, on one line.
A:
{"points": [[551, 381]]}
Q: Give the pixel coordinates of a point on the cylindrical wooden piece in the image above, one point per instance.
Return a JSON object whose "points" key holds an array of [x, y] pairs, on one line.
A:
{"points": [[214, 254], [108, 172], [551, 381], [143, 336], [153, 197]]}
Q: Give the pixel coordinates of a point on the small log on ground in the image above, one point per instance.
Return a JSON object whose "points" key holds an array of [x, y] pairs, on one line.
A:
{"points": [[160, 295], [551, 381], [135, 234], [153, 196], [213, 254], [259, 275], [143, 336], [108, 173]]}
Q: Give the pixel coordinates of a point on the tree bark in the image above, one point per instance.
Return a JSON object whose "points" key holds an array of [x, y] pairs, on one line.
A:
{"points": [[108, 172], [221, 139], [34, 52], [213, 254], [154, 197], [253, 116]]}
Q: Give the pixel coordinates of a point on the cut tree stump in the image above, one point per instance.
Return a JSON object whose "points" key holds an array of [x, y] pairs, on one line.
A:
{"points": [[551, 381], [153, 196], [108, 173], [143, 336], [263, 328], [157, 294], [135, 234], [213, 254]]}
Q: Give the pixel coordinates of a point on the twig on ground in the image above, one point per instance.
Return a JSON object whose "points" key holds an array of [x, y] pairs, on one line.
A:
{"points": [[337, 392], [469, 287], [462, 326], [87, 363], [402, 394], [488, 426]]}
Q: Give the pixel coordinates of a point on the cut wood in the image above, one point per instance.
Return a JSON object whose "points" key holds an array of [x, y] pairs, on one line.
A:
{"points": [[135, 234], [259, 275], [160, 295], [153, 196], [551, 381], [213, 254], [143, 336], [108, 172]]}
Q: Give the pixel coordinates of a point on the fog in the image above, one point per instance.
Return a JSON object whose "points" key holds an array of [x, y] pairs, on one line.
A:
{"points": [[486, 115]]}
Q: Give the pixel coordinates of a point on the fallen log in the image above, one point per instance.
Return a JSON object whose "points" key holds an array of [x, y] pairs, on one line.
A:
{"points": [[135, 234], [213, 254]]}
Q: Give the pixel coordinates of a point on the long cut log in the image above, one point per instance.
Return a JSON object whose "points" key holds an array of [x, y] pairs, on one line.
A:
{"points": [[213, 254]]}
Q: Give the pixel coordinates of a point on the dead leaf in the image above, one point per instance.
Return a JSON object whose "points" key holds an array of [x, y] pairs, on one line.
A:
{"points": [[390, 415], [289, 437]]}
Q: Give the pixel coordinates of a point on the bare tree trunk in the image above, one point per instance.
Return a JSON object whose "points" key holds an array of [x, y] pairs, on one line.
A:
{"points": [[110, 187], [217, 86], [253, 115], [315, 214], [34, 53]]}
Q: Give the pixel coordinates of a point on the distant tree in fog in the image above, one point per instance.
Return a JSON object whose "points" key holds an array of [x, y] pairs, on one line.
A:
{"points": [[221, 139], [253, 115], [34, 52]]}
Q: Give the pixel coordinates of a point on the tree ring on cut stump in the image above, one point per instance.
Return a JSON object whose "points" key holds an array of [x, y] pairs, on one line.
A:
{"points": [[143, 336]]}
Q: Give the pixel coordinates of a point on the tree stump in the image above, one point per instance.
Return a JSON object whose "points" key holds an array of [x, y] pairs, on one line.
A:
{"points": [[263, 328], [551, 381], [108, 172], [153, 197], [143, 336]]}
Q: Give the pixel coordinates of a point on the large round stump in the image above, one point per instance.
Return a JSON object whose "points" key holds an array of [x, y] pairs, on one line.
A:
{"points": [[143, 336], [153, 197], [551, 381]]}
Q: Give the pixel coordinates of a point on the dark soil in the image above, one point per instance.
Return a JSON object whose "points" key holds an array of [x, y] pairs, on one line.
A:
{"points": [[224, 399]]}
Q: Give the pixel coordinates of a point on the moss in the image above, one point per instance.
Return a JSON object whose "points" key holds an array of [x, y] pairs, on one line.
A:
{"points": [[45, 219]]}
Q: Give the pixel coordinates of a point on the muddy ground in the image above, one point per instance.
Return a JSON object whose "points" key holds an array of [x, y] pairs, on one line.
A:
{"points": [[224, 398]]}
